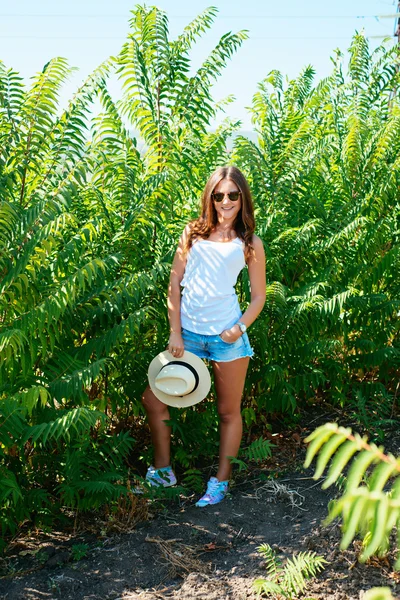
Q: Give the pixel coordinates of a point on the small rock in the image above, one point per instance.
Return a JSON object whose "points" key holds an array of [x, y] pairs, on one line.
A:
{"points": [[48, 549], [313, 543], [59, 558]]}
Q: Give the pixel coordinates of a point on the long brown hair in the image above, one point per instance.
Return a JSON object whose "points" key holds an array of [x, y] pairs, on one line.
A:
{"points": [[244, 224]]}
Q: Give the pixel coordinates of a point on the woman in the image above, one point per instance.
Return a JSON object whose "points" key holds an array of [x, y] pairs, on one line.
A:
{"points": [[207, 319]]}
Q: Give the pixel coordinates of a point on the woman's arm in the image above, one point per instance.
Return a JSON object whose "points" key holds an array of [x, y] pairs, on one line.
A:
{"points": [[175, 345], [256, 266]]}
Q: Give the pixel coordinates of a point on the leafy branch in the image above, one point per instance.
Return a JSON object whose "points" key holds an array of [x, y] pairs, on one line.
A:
{"points": [[289, 580], [370, 505]]}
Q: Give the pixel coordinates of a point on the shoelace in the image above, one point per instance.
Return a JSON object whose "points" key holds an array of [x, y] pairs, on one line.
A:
{"points": [[212, 487]]}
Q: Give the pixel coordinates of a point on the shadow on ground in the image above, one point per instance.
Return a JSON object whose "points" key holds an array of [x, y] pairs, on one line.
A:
{"points": [[189, 553]]}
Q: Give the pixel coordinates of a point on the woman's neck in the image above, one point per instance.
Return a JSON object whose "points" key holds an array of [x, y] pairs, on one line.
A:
{"points": [[224, 231], [222, 226]]}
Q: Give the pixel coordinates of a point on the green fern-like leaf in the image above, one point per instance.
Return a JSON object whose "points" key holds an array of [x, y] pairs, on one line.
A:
{"points": [[259, 450], [193, 480], [287, 580], [75, 422], [379, 593], [299, 570], [262, 586], [273, 564], [367, 508]]}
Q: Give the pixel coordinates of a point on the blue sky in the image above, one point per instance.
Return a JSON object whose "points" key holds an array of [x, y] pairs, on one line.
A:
{"points": [[286, 36]]}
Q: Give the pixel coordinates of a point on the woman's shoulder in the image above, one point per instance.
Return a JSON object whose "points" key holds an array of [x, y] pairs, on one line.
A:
{"points": [[189, 235], [256, 241], [195, 229], [257, 254]]}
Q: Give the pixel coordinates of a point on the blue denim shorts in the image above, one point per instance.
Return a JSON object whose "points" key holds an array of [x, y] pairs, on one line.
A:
{"points": [[213, 347]]}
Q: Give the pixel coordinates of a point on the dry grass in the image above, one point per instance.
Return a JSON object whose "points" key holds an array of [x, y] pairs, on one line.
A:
{"points": [[130, 510], [181, 558], [280, 492]]}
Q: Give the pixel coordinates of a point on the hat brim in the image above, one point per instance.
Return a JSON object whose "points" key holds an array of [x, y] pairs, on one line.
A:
{"points": [[194, 397]]}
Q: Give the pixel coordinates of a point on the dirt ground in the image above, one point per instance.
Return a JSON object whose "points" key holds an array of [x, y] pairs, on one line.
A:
{"points": [[185, 553]]}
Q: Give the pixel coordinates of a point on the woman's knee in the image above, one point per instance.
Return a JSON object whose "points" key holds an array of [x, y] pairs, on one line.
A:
{"points": [[229, 415], [151, 403]]}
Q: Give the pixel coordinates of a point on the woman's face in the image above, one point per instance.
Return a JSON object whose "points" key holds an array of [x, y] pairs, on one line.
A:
{"points": [[227, 209]]}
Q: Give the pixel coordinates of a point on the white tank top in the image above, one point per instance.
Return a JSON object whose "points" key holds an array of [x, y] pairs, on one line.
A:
{"points": [[209, 303]]}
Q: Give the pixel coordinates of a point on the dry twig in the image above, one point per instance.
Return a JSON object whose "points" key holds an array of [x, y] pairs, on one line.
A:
{"points": [[279, 491]]}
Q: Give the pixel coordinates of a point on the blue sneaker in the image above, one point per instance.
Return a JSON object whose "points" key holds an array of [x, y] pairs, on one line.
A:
{"points": [[216, 491], [164, 477]]}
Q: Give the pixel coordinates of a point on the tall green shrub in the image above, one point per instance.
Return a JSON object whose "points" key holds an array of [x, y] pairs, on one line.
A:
{"points": [[325, 176], [87, 227]]}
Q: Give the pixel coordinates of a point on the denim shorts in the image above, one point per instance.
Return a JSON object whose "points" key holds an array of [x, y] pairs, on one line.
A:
{"points": [[213, 347]]}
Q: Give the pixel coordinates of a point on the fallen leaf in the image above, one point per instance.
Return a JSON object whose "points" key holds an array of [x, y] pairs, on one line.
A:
{"points": [[210, 546]]}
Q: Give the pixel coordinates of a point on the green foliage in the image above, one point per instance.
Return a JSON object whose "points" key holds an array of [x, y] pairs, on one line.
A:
{"points": [[290, 580], [259, 450], [195, 434], [370, 504], [89, 218], [91, 210], [79, 551], [324, 173], [193, 480], [375, 414], [379, 593]]}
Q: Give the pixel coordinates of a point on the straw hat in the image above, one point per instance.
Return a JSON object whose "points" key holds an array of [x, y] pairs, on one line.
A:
{"points": [[179, 382]]}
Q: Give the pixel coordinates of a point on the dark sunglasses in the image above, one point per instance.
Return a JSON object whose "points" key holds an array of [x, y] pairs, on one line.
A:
{"points": [[219, 196]]}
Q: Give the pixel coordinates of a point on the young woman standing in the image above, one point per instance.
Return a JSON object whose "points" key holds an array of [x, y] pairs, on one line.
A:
{"points": [[206, 319]]}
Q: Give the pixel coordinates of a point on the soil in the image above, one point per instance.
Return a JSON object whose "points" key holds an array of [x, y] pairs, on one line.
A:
{"points": [[182, 552]]}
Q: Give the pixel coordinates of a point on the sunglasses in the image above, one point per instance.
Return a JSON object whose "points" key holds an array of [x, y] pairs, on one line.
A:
{"points": [[219, 196]]}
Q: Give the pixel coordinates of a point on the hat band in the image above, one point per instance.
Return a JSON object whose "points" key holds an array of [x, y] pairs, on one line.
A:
{"points": [[185, 364]]}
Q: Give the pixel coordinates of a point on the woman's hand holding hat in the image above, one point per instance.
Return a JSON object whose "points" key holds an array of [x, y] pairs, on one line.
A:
{"points": [[175, 344], [179, 382]]}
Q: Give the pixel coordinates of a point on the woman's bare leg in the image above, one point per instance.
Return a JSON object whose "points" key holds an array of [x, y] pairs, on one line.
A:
{"points": [[229, 383], [157, 414]]}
